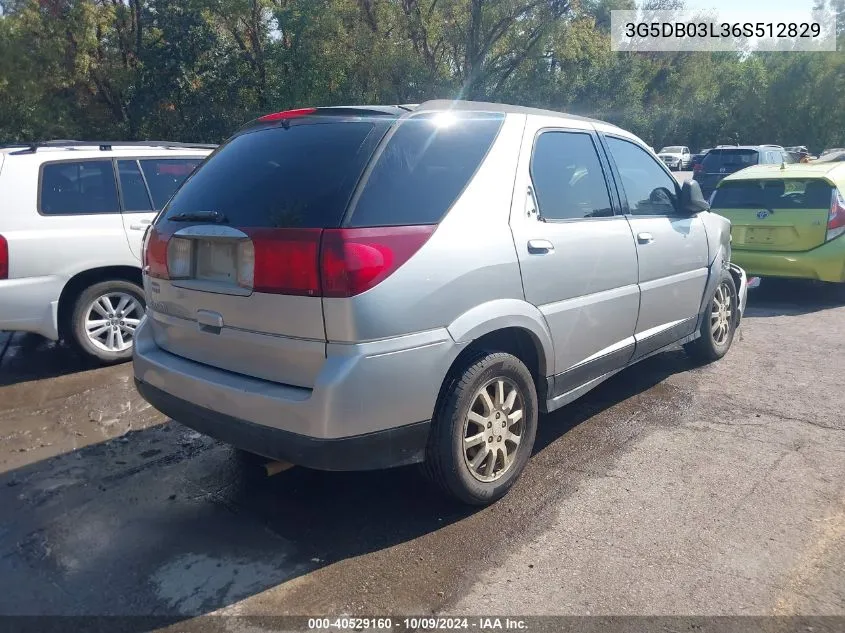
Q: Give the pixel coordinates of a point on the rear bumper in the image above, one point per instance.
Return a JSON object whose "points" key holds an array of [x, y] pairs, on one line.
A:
{"points": [[372, 451], [741, 282], [31, 304], [825, 263], [369, 407]]}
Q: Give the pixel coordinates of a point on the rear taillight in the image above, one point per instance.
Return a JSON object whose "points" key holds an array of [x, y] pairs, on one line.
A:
{"points": [[355, 260], [836, 217], [697, 168], [4, 258], [285, 261], [155, 255], [305, 262]]}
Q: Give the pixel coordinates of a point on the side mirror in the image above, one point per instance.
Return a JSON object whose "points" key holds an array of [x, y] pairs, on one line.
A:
{"points": [[692, 200]]}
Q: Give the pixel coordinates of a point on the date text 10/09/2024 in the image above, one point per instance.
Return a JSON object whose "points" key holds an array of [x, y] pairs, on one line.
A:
{"points": [[723, 29], [426, 623]]}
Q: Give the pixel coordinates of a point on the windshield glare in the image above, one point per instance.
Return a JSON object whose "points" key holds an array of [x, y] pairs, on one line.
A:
{"points": [[671, 150]]}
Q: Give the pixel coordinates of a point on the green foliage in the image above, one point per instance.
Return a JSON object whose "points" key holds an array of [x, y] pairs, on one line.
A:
{"points": [[195, 70]]}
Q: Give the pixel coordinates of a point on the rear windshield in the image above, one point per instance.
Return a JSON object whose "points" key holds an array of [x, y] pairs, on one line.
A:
{"points": [[734, 159], [300, 176], [773, 194], [303, 176], [424, 167]]}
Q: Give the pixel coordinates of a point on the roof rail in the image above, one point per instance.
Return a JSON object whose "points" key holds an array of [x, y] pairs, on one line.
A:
{"points": [[104, 146]]}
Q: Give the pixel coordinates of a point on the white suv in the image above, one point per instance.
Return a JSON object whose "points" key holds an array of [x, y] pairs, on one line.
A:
{"points": [[72, 220]]}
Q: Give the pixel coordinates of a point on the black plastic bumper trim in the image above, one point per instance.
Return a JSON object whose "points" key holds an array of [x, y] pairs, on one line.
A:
{"points": [[398, 446]]}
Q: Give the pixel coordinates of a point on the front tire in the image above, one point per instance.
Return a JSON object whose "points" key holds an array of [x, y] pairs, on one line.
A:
{"points": [[104, 319], [719, 323], [483, 429]]}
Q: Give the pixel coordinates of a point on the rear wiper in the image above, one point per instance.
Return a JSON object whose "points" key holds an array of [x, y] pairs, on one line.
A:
{"points": [[199, 216]]}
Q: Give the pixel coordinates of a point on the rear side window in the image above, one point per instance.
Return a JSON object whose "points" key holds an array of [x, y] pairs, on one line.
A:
{"points": [[568, 178], [78, 188], [733, 159], [773, 194], [299, 176], [424, 167], [164, 176], [132, 187]]}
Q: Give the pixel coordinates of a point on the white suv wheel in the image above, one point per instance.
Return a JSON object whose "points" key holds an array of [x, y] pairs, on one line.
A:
{"points": [[111, 321]]}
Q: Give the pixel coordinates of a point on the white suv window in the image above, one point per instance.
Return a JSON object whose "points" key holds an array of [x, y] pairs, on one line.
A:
{"points": [[78, 188]]}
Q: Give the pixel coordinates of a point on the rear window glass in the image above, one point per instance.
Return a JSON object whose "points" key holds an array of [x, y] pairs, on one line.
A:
{"points": [[773, 194], [424, 167], [164, 175], [83, 187], [730, 158], [299, 176]]}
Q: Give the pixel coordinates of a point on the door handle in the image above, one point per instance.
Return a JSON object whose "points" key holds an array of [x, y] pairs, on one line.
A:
{"points": [[540, 246], [142, 224], [645, 238]]}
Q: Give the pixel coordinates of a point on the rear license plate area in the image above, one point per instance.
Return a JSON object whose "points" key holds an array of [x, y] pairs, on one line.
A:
{"points": [[216, 261], [759, 236]]}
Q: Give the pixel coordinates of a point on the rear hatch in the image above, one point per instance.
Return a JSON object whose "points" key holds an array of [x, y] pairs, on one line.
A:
{"points": [[722, 162], [238, 263], [231, 262], [769, 214]]}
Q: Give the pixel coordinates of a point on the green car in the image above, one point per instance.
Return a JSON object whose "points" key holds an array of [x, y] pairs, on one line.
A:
{"points": [[787, 220]]}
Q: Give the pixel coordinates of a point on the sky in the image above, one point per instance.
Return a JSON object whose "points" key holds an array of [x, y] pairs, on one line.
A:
{"points": [[755, 9]]}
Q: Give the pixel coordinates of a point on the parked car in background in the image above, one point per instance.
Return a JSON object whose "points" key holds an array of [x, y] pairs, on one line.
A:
{"points": [[800, 150], [676, 157], [832, 150], [697, 158], [831, 157], [787, 222], [72, 220], [725, 160], [313, 296]]}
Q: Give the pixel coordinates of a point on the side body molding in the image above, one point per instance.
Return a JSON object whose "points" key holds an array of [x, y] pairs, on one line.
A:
{"points": [[504, 313]]}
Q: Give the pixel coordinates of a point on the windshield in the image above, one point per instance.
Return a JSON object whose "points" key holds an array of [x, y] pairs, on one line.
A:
{"points": [[773, 194], [673, 149]]}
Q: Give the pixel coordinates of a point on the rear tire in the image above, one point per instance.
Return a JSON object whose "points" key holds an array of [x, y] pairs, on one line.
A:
{"points": [[479, 444], [719, 323], [102, 333]]}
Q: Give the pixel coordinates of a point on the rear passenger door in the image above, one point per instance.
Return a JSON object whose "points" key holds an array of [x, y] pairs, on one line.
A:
{"points": [[577, 257], [78, 201], [672, 250], [146, 185]]}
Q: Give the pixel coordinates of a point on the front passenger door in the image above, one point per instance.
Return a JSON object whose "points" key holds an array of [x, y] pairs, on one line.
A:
{"points": [[672, 250]]}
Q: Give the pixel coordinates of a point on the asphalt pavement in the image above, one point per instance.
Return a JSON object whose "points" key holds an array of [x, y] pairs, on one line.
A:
{"points": [[671, 489]]}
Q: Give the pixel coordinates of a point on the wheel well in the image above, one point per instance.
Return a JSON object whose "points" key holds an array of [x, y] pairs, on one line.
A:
{"points": [[512, 340], [79, 282]]}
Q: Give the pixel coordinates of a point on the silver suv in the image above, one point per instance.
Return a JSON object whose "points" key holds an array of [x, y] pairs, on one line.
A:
{"points": [[72, 218], [361, 288]]}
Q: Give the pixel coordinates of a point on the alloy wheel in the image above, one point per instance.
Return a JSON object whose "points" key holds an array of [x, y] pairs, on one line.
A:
{"points": [[493, 429], [111, 320]]}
